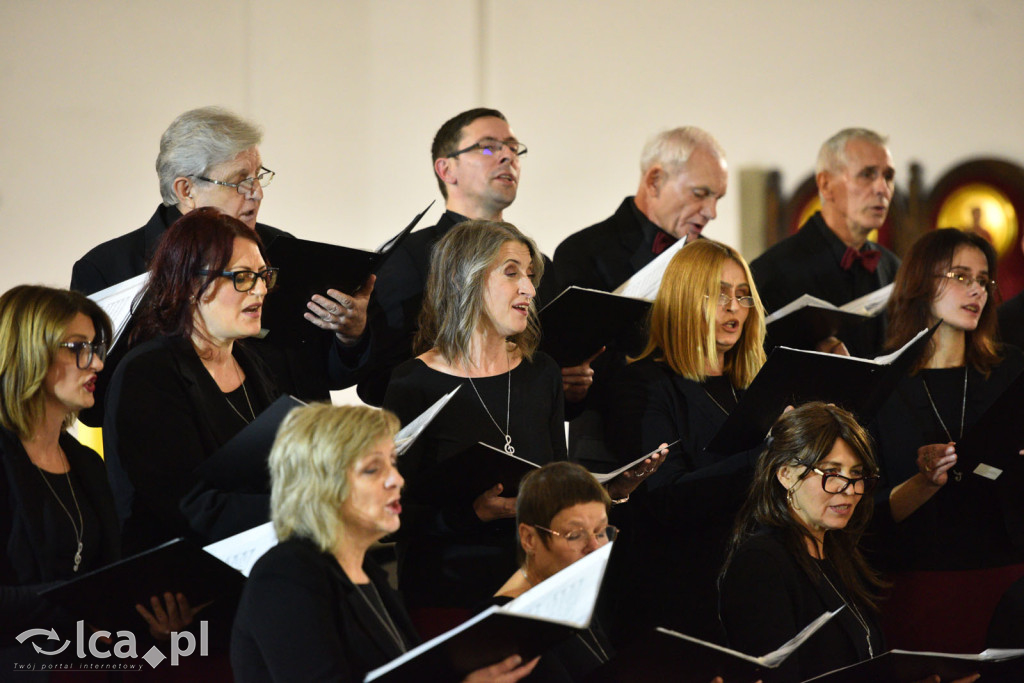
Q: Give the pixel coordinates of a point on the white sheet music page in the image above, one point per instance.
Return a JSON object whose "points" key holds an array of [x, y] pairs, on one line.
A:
{"points": [[871, 303], [645, 282], [116, 301], [242, 550], [408, 434], [569, 596]]}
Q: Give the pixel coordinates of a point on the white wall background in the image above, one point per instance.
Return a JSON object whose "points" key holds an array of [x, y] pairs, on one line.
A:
{"points": [[350, 94]]}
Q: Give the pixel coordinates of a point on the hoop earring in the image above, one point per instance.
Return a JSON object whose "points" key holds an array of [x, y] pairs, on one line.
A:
{"points": [[791, 499]]}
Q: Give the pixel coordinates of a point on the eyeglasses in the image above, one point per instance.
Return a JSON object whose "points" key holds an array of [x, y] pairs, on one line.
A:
{"points": [[832, 482], [966, 280], [245, 187], [724, 299], [84, 351], [492, 147], [578, 538], [245, 280]]}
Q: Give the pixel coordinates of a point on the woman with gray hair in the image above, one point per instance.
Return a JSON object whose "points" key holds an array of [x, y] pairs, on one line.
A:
{"points": [[316, 607], [478, 331]]}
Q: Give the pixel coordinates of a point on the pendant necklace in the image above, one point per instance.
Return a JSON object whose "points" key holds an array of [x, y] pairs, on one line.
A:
{"points": [[508, 408], [735, 399], [385, 619], [80, 527], [957, 474], [853, 609], [245, 393]]}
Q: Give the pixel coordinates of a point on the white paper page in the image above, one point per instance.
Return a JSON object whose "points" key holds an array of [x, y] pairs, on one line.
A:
{"points": [[408, 434], [116, 301], [416, 651], [242, 550], [990, 655], [603, 478], [772, 659], [645, 282], [871, 303], [506, 453], [570, 595], [890, 357], [796, 304]]}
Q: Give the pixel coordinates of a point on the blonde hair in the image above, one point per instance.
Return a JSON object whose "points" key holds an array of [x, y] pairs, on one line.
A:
{"points": [[315, 448], [682, 333], [33, 322], [453, 302]]}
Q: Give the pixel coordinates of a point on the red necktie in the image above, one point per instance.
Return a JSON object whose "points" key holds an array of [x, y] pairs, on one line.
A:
{"points": [[868, 259], [662, 241]]}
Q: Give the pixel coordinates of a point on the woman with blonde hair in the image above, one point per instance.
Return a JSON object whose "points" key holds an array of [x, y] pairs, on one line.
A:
{"points": [[705, 346], [316, 607], [478, 333]]}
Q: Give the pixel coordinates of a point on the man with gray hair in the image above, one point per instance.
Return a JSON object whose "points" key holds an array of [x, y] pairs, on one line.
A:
{"points": [[683, 174], [831, 257]]}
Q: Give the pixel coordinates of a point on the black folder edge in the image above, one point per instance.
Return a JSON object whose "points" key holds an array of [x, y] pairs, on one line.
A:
{"points": [[805, 327], [568, 341], [241, 464], [900, 666], [995, 431], [106, 597], [764, 400], [465, 475], [488, 642]]}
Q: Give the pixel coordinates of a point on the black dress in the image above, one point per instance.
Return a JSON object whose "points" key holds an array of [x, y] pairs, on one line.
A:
{"points": [[302, 619], [447, 556], [767, 598]]}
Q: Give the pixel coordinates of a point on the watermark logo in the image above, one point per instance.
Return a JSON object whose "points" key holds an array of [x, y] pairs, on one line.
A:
{"points": [[102, 645]]}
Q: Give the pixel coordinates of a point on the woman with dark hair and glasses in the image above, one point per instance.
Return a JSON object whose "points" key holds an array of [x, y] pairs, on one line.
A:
{"points": [[191, 385], [950, 533], [794, 550], [58, 520]]}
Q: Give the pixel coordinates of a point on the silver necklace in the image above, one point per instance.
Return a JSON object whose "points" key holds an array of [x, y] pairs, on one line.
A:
{"points": [[80, 527], [854, 610], [957, 474], [720, 406], [244, 393], [385, 618], [508, 408]]}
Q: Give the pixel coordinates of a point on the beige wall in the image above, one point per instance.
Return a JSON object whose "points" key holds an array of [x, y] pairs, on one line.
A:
{"points": [[350, 94]]}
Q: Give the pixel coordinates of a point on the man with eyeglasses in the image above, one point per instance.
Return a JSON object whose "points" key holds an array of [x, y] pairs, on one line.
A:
{"points": [[210, 157], [683, 175], [831, 257]]}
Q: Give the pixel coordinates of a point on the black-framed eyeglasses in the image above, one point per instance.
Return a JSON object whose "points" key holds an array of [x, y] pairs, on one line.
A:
{"points": [[492, 147], [244, 187], [578, 538], [724, 299], [245, 280], [966, 280], [833, 482], [84, 352]]}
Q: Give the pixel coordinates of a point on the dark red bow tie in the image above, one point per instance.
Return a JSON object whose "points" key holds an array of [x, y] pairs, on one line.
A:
{"points": [[868, 259], [662, 241]]}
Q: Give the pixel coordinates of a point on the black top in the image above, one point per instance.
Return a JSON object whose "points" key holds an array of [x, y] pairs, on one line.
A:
{"points": [[962, 526], [302, 619], [447, 556], [1011, 321], [682, 515], [165, 415], [36, 536], [308, 368], [608, 253], [808, 263], [767, 598]]}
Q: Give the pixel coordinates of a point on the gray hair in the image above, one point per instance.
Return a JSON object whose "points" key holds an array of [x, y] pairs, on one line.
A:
{"points": [[315, 448], [453, 302], [832, 155], [199, 139], [672, 148]]}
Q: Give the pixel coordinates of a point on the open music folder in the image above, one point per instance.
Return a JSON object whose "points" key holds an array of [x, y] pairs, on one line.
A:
{"points": [[805, 321], [579, 321], [540, 618], [408, 434], [119, 303], [795, 376]]}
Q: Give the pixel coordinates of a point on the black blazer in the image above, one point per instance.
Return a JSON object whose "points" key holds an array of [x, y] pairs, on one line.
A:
{"points": [[23, 565], [606, 254], [164, 416], [766, 599], [302, 619], [808, 263], [1011, 321]]}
